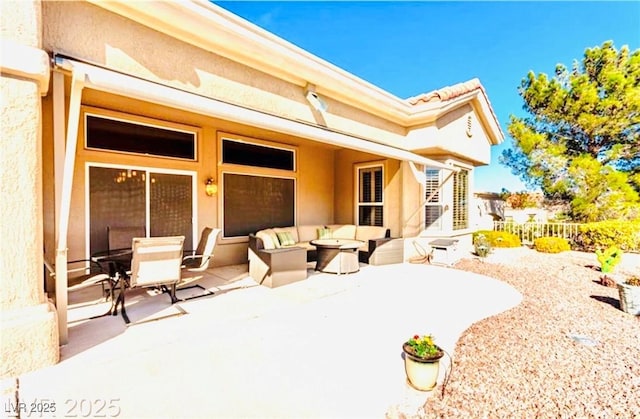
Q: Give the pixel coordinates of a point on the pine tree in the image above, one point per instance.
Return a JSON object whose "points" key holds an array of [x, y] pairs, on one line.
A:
{"points": [[581, 140]]}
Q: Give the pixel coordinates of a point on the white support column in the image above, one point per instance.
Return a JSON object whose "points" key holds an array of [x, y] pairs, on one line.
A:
{"points": [[75, 99]]}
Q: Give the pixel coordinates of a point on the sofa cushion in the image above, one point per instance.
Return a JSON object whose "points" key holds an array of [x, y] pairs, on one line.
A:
{"points": [[366, 233], [293, 230], [323, 233], [269, 239], [308, 232], [346, 231], [285, 238]]}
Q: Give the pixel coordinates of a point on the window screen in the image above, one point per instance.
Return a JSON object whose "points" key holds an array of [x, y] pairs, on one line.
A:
{"points": [[115, 135], [236, 152], [252, 203]]}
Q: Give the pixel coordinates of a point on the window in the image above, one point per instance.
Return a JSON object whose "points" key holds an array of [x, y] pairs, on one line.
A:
{"points": [[119, 135], [252, 203], [160, 201], [433, 201], [254, 196], [461, 200], [247, 154], [370, 202]]}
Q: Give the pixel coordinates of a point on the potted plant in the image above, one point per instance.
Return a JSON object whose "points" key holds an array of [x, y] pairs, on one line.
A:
{"points": [[422, 362], [629, 292], [482, 245]]}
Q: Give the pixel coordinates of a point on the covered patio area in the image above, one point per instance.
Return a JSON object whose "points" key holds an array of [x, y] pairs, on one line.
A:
{"points": [[328, 346]]}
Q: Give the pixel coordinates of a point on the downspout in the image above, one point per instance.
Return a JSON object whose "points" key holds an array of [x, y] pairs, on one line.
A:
{"points": [[75, 97]]}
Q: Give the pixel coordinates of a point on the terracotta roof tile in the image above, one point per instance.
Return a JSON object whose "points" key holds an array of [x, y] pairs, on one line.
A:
{"points": [[451, 92], [446, 93]]}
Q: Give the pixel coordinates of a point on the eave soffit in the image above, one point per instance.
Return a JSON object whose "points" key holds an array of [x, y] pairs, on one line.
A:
{"points": [[212, 28]]}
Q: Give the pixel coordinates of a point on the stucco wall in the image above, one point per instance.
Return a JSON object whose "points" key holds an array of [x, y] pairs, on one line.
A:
{"points": [[88, 32], [458, 133], [28, 326]]}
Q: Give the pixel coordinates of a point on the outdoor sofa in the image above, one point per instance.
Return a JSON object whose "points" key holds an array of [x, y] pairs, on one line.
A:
{"points": [[279, 256]]}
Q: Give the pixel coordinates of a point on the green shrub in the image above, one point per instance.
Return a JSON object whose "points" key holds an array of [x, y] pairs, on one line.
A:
{"points": [[551, 244], [603, 234], [499, 238]]}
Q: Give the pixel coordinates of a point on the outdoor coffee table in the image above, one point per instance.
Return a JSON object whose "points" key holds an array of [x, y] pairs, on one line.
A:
{"points": [[338, 256]]}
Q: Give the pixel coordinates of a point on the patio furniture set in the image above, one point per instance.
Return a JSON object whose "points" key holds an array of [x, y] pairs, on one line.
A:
{"points": [[279, 256], [158, 262]]}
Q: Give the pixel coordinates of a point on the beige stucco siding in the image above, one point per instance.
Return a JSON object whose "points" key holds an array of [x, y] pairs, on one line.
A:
{"points": [[458, 133], [90, 33]]}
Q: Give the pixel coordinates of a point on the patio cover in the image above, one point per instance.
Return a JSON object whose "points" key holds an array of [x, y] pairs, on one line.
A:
{"points": [[102, 79]]}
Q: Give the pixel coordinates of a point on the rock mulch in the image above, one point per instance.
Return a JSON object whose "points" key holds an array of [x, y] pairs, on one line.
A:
{"points": [[566, 351]]}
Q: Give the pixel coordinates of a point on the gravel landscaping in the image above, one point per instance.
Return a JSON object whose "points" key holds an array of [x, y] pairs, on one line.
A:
{"points": [[566, 351]]}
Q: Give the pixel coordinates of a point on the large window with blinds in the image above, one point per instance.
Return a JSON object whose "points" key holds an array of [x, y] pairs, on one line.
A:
{"points": [[433, 199], [461, 200], [370, 195]]}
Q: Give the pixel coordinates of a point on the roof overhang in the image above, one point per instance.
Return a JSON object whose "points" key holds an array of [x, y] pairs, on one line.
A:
{"points": [[212, 28], [102, 79]]}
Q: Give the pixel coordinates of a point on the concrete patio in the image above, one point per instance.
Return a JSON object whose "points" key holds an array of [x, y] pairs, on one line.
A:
{"points": [[329, 346]]}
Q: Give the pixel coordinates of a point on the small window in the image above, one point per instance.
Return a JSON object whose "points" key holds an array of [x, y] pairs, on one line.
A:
{"points": [[461, 200], [246, 154], [370, 190], [433, 205], [117, 135]]}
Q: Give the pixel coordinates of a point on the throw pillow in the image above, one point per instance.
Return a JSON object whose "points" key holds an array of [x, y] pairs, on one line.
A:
{"points": [[286, 238], [324, 233]]}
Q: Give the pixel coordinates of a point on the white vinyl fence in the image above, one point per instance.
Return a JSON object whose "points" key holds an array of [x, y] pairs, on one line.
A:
{"points": [[531, 230]]}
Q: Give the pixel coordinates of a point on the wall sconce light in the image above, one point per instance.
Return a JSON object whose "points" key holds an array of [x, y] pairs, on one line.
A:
{"points": [[315, 100], [210, 187]]}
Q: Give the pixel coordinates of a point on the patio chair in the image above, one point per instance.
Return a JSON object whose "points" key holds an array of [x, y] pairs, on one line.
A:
{"points": [[121, 237], [156, 262], [198, 260], [195, 263], [81, 274]]}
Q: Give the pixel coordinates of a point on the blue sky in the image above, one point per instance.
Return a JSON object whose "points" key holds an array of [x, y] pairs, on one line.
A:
{"points": [[408, 48]]}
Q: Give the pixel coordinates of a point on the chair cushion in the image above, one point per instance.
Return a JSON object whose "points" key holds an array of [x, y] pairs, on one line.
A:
{"points": [[293, 230], [285, 238], [346, 231], [366, 233]]}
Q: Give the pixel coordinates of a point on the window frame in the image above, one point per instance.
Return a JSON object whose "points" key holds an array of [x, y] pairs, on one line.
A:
{"points": [[463, 223], [239, 169], [438, 225], [141, 121], [146, 169], [358, 167]]}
